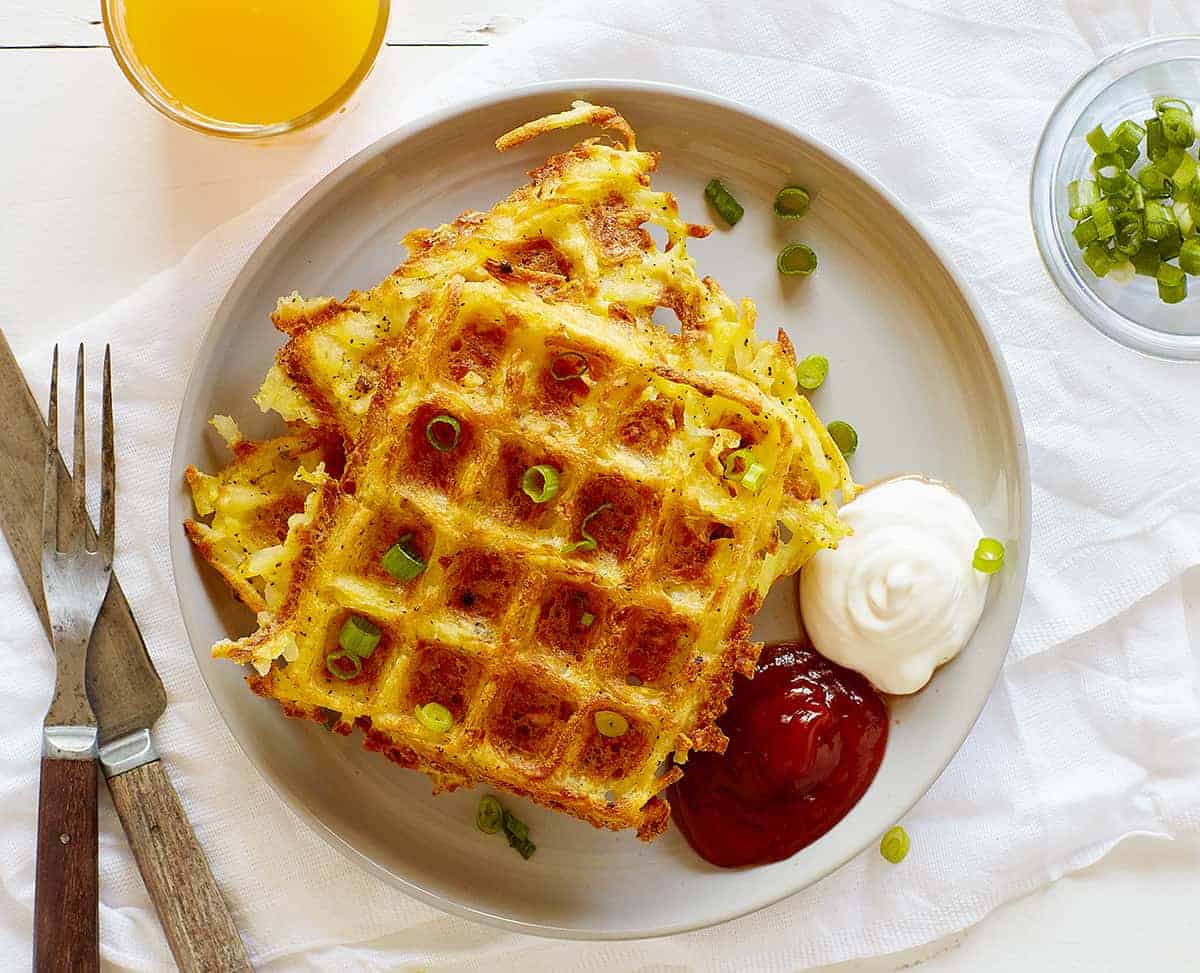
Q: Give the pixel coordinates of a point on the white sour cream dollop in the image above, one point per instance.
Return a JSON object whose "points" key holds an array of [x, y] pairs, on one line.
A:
{"points": [[899, 596]]}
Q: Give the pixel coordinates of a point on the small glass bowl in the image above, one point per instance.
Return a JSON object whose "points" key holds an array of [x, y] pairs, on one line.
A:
{"points": [[1119, 87], [148, 87]]}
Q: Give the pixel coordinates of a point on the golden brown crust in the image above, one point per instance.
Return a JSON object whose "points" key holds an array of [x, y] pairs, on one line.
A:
{"points": [[519, 337]]}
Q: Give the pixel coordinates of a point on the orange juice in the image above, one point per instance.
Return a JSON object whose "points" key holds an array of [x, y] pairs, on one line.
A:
{"points": [[251, 62]]}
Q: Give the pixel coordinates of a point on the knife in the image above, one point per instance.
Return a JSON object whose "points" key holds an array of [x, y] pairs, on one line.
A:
{"points": [[127, 696]]}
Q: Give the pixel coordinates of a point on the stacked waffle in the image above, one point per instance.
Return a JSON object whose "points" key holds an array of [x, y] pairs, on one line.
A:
{"points": [[552, 517]]}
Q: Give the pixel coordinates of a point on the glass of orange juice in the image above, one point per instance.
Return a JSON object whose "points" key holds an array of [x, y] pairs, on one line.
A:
{"points": [[245, 68]]}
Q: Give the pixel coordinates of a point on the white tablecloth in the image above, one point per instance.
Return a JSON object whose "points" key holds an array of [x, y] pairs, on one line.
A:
{"points": [[1093, 732]]}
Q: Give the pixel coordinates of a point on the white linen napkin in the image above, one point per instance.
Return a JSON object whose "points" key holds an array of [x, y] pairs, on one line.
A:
{"points": [[1093, 731]]}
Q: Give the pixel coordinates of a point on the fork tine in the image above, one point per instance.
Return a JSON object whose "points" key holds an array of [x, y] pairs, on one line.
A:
{"points": [[50, 479], [79, 467], [108, 463]]}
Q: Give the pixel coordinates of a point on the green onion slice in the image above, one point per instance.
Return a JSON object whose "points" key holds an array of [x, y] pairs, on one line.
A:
{"points": [[792, 202], [358, 636], [440, 440], [1099, 141], [753, 478], [569, 365], [540, 483], [989, 556], [1156, 139], [1189, 257], [489, 815], [728, 208], [1178, 127], [844, 435], [611, 724], [1085, 232], [812, 372], [400, 561], [588, 543], [1163, 102], [894, 845], [514, 826], [1172, 283], [343, 665], [586, 620], [517, 832], [796, 259], [1098, 259], [434, 716], [736, 463], [1081, 195]]}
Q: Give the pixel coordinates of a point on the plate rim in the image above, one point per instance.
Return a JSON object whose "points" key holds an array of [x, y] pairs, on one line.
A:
{"points": [[574, 88]]}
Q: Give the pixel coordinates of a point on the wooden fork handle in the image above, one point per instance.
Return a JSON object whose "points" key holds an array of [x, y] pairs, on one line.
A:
{"points": [[66, 900], [199, 929]]}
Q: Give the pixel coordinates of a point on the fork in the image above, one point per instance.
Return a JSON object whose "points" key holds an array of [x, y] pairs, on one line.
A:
{"points": [[75, 582]]}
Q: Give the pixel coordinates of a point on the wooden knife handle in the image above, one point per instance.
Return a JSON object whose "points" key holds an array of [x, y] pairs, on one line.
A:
{"points": [[199, 929], [67, 897]]}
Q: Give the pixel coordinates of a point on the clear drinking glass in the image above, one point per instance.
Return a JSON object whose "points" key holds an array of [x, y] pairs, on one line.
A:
{"points": [[218, 16], [1119, 87]]}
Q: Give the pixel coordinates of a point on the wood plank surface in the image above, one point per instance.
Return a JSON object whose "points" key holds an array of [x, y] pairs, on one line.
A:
{"points": [[76, 23]]}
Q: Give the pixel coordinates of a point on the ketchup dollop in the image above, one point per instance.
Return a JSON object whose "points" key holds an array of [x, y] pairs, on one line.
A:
{"points": [[805, 740]]}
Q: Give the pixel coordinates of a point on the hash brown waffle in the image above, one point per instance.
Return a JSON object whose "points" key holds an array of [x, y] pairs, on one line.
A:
{"points": [[470, 326]]}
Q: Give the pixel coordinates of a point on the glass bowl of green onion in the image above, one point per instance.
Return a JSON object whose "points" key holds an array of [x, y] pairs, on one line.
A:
{"points": [[1115, 197]]}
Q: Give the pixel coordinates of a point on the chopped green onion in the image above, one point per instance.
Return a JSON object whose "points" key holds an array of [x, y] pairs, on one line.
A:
{"points": [[1170, 244], [438, 439], [753, 478], [359, 636], [588, 543], [728, 208], [1099, 141], [736, 463], [1098, 259], [811, 372], [515, 826], [1081, 194], [1154, 182], [989, 556], [1085, 232], [1189, 257], [894, 845], [1156, 139], [434, 716], [792, 202], [1129, 233], [1102, 216], [843, 434], [489, 815], [1146, 260], [1163, 102], [540, 483], [1171, 160], [1178, 127], [586, 620], [517, 832], [1185, 172], [796, 259], [1183, 216], [1172, 284], [336, 663], [400, 562], [576, 366], [611, 724], [1129, 134]]}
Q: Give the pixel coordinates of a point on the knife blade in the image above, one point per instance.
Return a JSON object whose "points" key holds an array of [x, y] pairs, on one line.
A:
{"points": [[127, 697]]}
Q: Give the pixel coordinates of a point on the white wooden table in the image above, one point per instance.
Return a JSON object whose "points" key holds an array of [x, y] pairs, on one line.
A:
{"points": [[97, 192]]}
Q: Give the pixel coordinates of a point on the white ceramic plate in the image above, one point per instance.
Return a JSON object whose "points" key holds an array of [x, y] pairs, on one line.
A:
{"points": [[914, 368]]}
